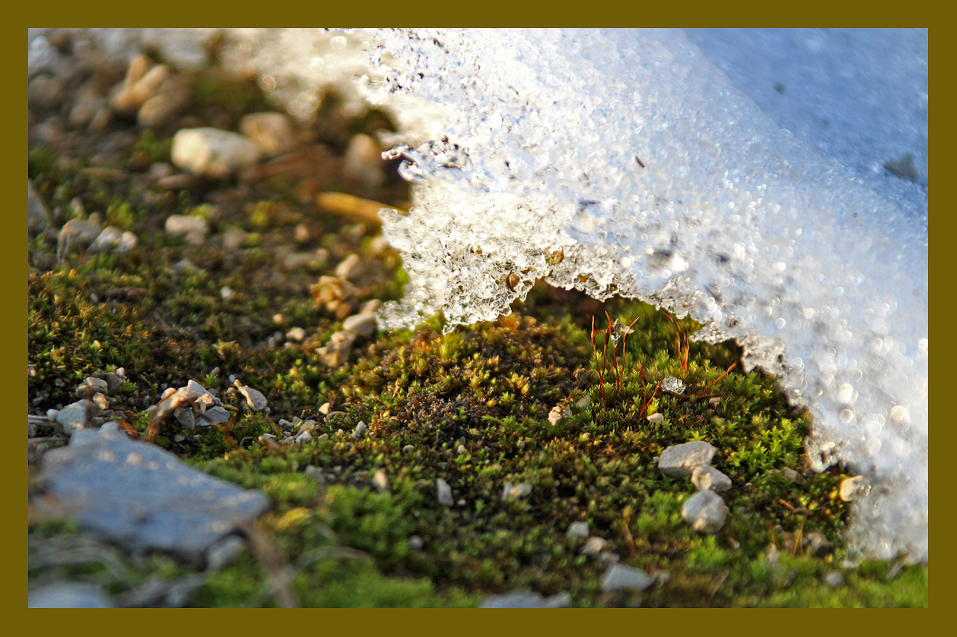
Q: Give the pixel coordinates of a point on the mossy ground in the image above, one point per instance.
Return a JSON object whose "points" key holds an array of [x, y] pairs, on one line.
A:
{"points": [[470, 407]]}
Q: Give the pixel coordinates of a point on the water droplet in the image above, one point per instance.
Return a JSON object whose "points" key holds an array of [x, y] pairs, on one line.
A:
{"points": [[845, 393]]}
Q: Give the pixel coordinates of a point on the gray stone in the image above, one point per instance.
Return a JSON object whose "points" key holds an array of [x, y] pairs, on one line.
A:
{"points": [[68, 595], [516, 491], [254, 398], [816, 544], [160, 109], [350, 267], [656, 418], [187, 224], [595, 545], [75, 416], [76, 232], [577, 529], [335, 353], [558, 414], [108, 240], [361, 324], [143, 496], [371, 306], [212, 152], [360, 431], [87, 105], [526, 599], [834, 579], [705, 477], [38, 216], [705, 511], [44, 91], [296, 334], [416, 543], [185, 417], [792, 475], [680, 460], [380, 481], [444, 493], [92, 385], [620, 577], [272, 133], [217, 414]]}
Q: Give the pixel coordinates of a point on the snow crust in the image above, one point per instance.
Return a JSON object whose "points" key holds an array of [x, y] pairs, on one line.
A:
{"points": [[657, 164]]}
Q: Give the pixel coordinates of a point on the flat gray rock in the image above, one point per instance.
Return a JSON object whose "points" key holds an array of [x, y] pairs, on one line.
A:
{"points": [[443, 492], [68, 595], [705, 477], [705, 511], [143, 495], [526, 599], [620, 577], [75, 416], [213, 152], [680, 460]]}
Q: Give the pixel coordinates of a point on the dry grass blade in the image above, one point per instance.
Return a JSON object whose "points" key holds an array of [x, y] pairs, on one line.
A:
{"points": [[350, 206], [267, 554]]}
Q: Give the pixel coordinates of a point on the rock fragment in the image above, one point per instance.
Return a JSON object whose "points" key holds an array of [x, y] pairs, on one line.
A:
{"points": [[362, 324], [142, 495], [192, 406], [595, 545], [68, 595], [272, 133], [77, 232], [350, 268], [516, 491], [834, 579], [360, 431], [816, 544], [620, 577], [705, 511], [443, 492], [194, 227], [705, 477], [212, 152], [380, 481], [558, 414], [526, 599], [254, 398], [577, 529], [90, 386], [680, 460], [75, 416], [107, 240], [335, 353]]}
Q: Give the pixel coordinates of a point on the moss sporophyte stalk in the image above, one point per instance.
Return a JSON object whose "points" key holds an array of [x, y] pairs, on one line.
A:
{"points": [[352, 455]]}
